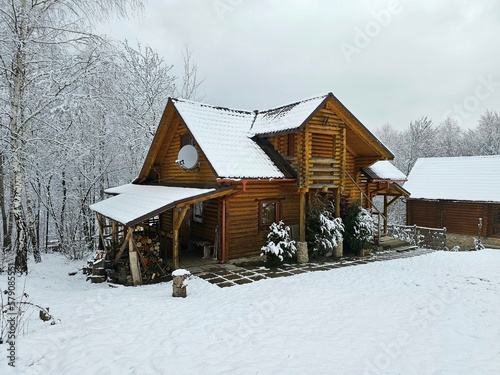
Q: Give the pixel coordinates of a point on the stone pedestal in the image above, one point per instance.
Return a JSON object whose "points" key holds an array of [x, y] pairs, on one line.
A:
{"points": [[179, 278], [302, 255], [339, 251]]}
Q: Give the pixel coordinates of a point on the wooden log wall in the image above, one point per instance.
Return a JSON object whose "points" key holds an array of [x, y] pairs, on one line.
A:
{"points": [[211, 214], [457, 217], [168, 172], [493, 224], [243, 237]]}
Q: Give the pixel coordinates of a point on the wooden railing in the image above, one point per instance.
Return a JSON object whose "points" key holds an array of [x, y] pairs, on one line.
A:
{"points": [[431, 238]]}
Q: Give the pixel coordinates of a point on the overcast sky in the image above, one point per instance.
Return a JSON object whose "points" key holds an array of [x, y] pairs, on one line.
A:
{"points": [[387, 61]]}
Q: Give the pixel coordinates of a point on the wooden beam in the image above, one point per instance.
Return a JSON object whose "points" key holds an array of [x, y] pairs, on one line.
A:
{"points": [[101, 233], [179, 214], [134, 262], [385, 213], [337, 202], [124, 245], [302, 217]]}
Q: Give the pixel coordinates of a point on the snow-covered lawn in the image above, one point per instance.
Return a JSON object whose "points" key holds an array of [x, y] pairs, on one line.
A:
{"points": [[434, 314]]}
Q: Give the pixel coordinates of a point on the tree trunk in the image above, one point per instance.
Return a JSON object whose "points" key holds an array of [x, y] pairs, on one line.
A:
{"points": [[6, 232]]}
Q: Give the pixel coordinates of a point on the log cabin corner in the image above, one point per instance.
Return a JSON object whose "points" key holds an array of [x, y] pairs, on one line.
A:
{"points": [[251, 168]]}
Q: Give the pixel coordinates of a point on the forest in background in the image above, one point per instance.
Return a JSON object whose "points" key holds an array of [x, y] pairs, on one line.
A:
{"points": [[423, 138], [79, 110]]}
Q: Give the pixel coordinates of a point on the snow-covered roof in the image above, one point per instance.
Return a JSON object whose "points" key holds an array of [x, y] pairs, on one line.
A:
{"points": [[385, 170], [136, 203], [223, 136], [287, 117], [468, 178]]}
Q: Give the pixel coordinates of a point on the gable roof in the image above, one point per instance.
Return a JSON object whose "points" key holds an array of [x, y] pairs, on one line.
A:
{"points": [[222, 135], [287, 117], [464, 178], [229, 137], [384, 170]]}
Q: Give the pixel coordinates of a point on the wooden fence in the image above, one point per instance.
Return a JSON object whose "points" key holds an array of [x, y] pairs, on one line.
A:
{"points": [[431, 238]]}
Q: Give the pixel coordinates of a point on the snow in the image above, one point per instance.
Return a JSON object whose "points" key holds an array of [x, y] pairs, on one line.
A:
{"points": [[135, 202], [241, 157], [385, 170], [471, 178], [181, 272], [288, 117], [432, 314], [222, 135]]}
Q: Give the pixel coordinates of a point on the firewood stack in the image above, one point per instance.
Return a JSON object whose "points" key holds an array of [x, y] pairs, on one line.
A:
{"points": [[152, 267], [96, 268]]}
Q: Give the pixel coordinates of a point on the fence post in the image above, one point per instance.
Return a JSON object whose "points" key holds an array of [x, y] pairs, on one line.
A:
{"points": [[444, 232], [415, 234]]}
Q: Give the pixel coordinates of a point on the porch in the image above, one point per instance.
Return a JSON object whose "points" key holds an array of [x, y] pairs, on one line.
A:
{"points": [[149, 229]]}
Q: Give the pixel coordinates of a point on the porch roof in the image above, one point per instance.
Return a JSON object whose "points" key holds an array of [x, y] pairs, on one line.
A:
{"points": [[137, 203], [384, 170]]}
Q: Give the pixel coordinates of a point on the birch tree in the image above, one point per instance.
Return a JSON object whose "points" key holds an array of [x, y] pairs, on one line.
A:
{"points": [[32, 32]]}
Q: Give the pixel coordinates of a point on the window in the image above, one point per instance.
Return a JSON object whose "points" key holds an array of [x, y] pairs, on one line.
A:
{"points": [[198, 212], [269, 212], [186, 139]]}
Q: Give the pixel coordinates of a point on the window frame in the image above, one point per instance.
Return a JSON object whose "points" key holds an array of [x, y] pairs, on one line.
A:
{"points": [[198, 218], [185, 139], [277, 212]]}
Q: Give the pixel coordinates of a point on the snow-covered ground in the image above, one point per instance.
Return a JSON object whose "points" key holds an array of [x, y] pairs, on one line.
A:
{"points": [[433, 314]]}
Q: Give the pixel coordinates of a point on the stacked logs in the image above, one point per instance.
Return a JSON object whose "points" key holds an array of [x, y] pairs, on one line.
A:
{"points": [[106, 267], [152, 267]]}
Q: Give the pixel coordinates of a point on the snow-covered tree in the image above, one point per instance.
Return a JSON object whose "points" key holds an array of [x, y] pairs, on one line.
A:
{"points": [[359, 228], [38, 42], [279, 245]]}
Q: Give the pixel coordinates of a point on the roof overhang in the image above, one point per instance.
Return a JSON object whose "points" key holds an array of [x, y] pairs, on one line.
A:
{"points": [[135, 204]]}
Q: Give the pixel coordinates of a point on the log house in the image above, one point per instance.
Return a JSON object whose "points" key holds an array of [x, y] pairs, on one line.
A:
{"points": [[455, 193], [253, 168]]}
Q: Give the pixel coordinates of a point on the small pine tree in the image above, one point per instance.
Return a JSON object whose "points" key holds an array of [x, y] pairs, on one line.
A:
{"points": [[359, 228], [324, 232], [279, 245]]}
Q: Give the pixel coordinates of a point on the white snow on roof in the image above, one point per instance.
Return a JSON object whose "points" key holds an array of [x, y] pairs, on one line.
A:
{"points": [[385, 170], [222, 134], [287, 117], [471, 178], [135, 202]]}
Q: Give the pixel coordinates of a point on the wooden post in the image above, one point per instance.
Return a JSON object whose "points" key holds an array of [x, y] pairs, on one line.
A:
{"points": [[302, 217], [101, 234], [124, 245], [385, 213], [179, 214], [134, 262], [337, 202], [179, 277], [114, 228]]}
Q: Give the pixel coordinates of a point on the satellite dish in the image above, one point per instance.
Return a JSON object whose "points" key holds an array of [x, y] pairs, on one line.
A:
{"points": [[187, 157]]}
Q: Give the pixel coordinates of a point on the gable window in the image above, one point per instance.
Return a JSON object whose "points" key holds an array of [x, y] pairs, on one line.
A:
{"points": [[186, 139], [269, 212], [198, 212]]}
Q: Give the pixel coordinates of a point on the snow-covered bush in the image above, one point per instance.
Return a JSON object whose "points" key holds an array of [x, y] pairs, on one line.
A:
{"points": [[359, 227], [324, 232], [330, 234], [279, 246]]}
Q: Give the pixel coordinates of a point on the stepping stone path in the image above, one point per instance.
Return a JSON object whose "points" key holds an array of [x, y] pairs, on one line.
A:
{"points": [[226, 275]]}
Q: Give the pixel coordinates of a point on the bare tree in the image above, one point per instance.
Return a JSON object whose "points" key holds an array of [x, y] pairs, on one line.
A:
{"points": [[33, 33]]}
